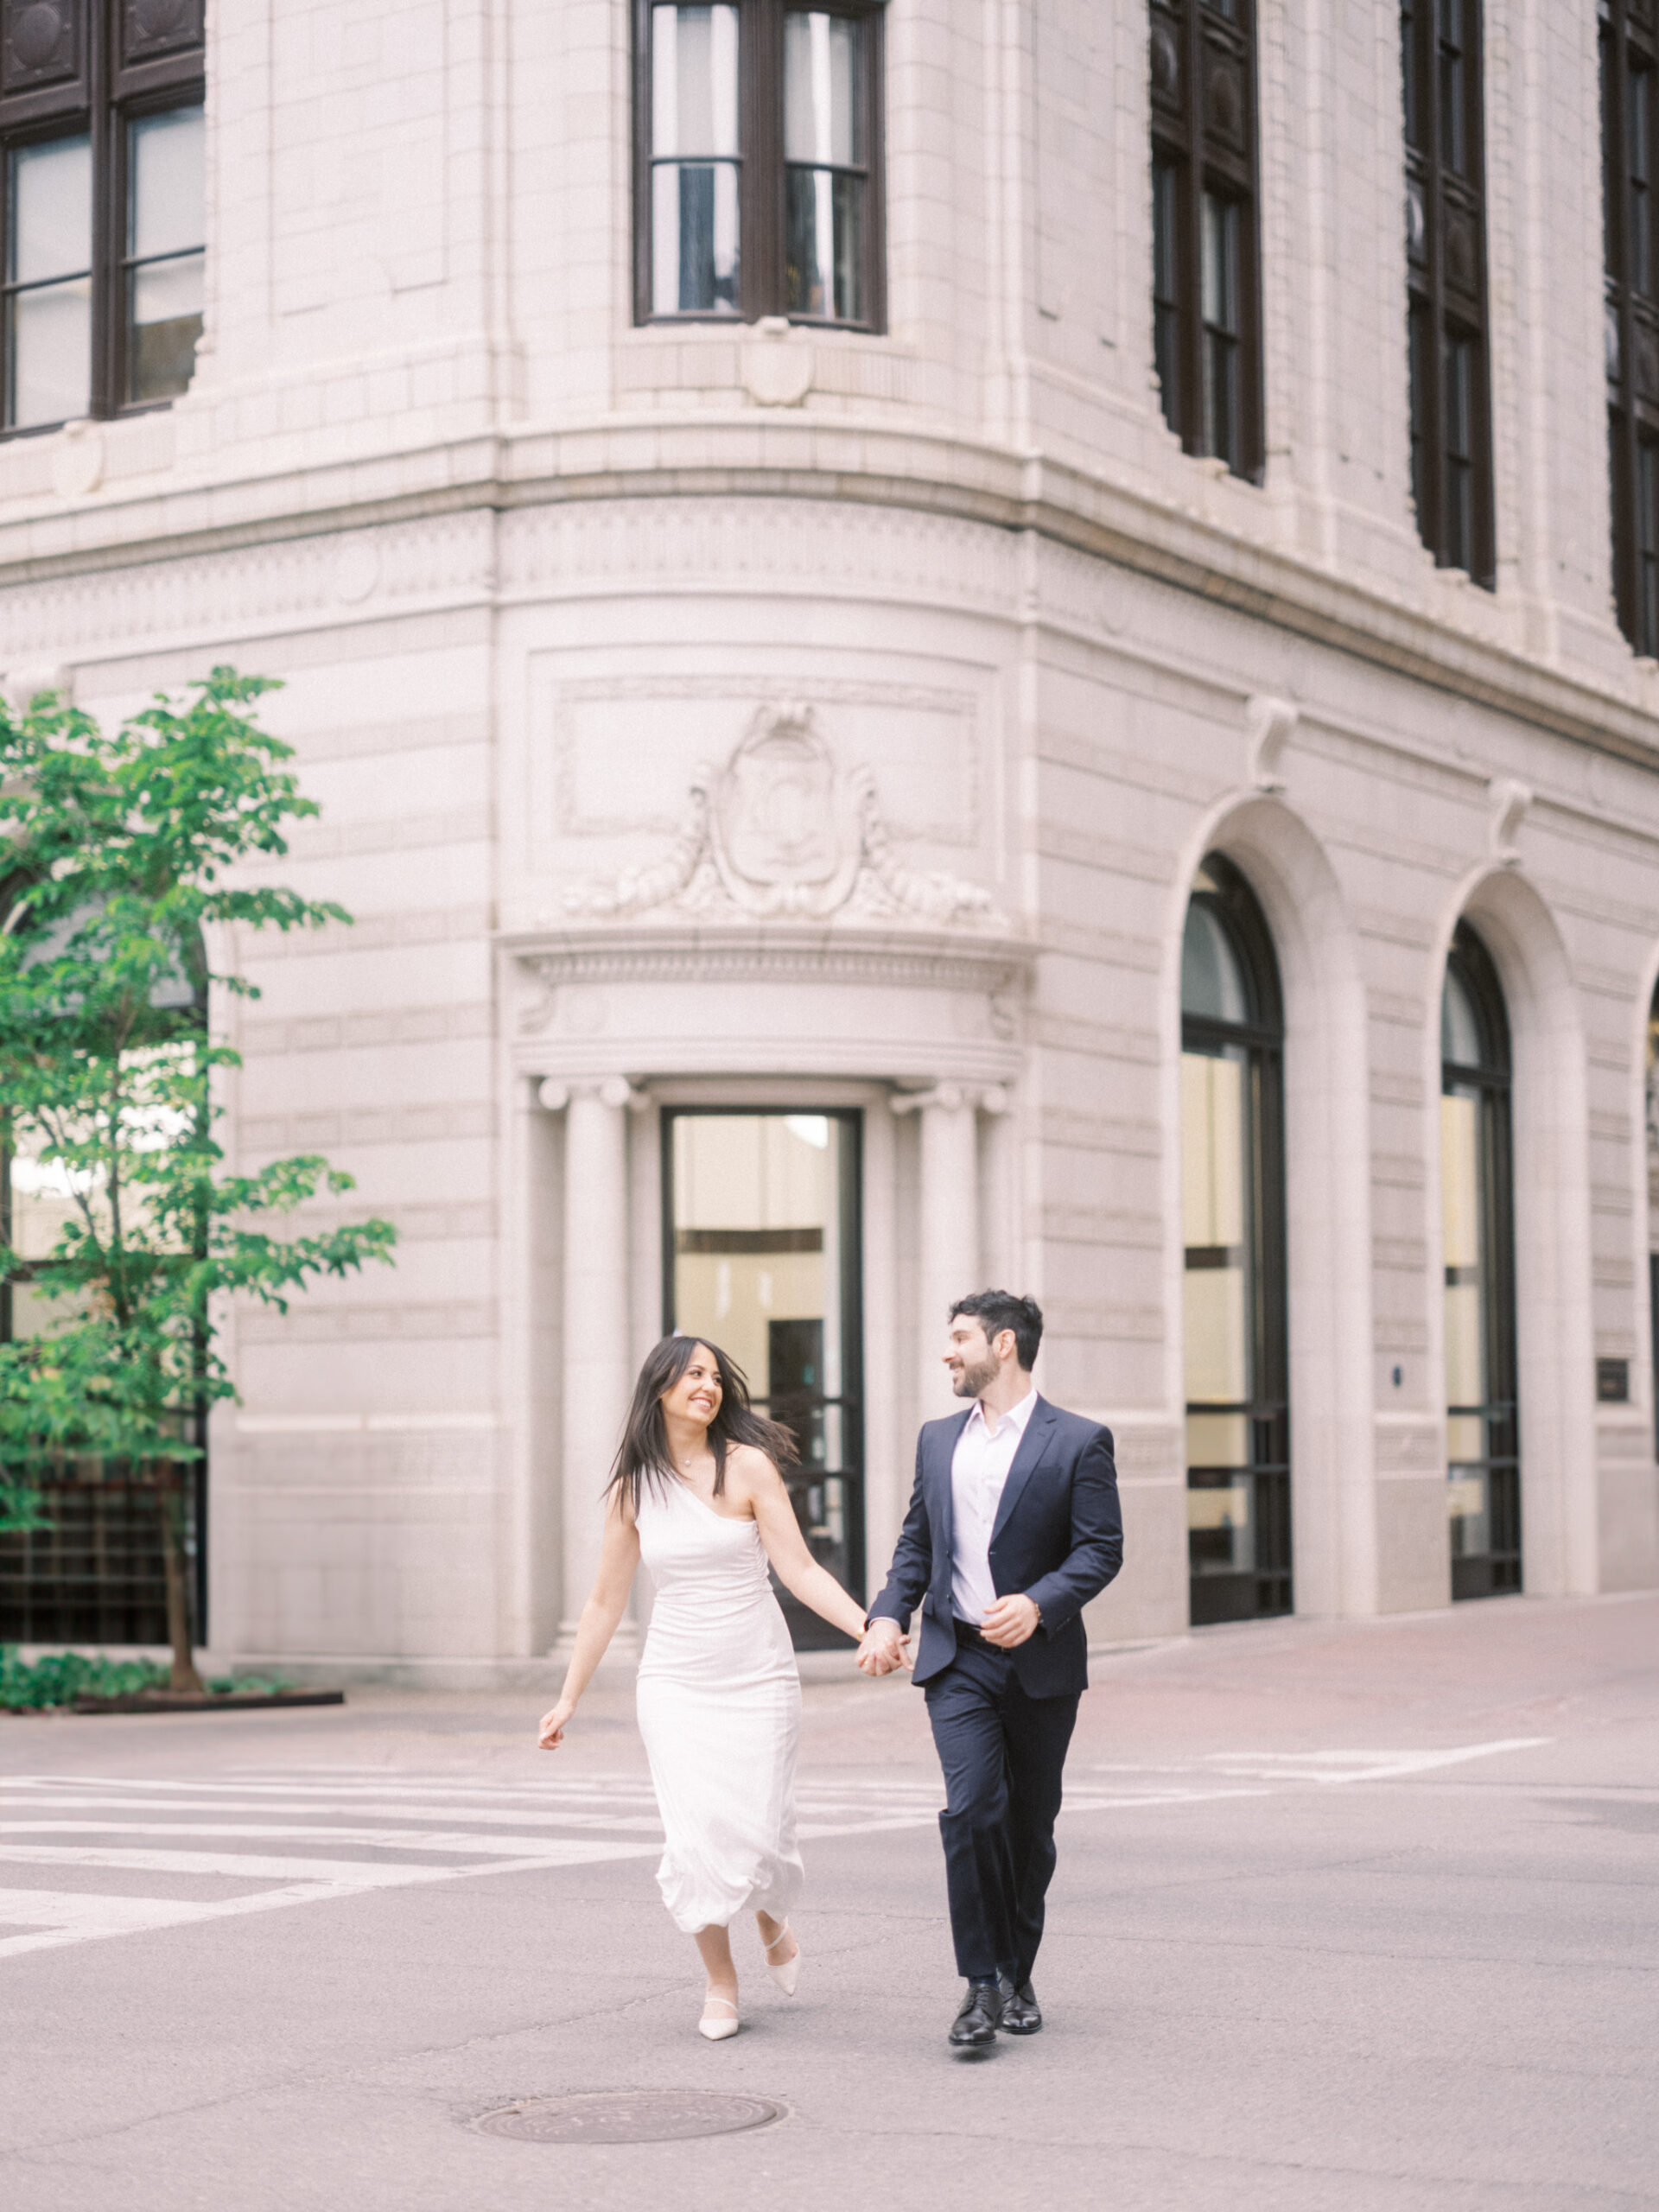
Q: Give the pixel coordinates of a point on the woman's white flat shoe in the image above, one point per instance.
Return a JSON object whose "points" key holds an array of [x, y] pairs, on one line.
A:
{"points": [[787, 1973], [717, 2030]]}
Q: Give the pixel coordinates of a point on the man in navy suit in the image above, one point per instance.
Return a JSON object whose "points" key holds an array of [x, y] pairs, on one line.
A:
{"points": [[1014, 1526]]}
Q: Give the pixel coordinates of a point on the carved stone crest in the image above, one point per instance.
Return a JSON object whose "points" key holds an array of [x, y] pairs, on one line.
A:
{"points": [[783, 831], [784, 823]]}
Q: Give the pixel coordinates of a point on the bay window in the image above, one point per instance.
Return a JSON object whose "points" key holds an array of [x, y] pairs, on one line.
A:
{"points": [[757, 161], [102, 206]]}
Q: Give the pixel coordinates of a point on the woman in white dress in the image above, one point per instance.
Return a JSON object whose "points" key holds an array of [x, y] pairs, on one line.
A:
{"points": [[696, 1493]]}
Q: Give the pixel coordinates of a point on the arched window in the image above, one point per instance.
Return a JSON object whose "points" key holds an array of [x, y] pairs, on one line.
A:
{"points": [[1477, 1210], [1233, 1227]]}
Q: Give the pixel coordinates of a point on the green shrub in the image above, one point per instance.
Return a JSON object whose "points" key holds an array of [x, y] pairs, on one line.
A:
{"points": [[61, 1676]]}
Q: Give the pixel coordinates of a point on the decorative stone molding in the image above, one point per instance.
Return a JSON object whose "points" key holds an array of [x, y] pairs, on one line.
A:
{"points": [[555, 1093], [777, 363], [990, 1098], [1271, 724], [77, 460], [1507, 803], [545, 962], [20, 687], [781, 831]]}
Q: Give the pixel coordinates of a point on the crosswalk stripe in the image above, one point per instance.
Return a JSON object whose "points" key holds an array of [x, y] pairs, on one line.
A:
{"points": [[306, 1828], [499, 1846], [367, 1874], [507, 1826]]}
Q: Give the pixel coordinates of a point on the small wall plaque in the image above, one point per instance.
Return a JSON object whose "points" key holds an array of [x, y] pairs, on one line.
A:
{"points": [[1613, 1381]]}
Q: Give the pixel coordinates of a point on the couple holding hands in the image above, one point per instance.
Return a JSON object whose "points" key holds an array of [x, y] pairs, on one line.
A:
{"points": [[1013, 1526]]}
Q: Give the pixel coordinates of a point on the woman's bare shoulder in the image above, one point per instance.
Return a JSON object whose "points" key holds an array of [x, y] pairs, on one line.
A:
{"points": [[755, 1470]]}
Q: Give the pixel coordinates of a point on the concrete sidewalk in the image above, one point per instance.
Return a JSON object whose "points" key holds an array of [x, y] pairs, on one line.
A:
{"points": [[1353, 1916]]}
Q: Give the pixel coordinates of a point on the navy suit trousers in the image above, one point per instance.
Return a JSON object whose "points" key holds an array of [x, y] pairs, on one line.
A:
{"points": [[1003, 1755]]}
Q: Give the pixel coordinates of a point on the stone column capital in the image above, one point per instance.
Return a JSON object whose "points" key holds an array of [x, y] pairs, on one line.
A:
{"points": [[951, 1098], [555, 1092]]}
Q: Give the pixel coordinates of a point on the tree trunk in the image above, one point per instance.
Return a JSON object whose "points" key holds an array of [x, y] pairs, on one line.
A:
{"points": [[175, 1555]]}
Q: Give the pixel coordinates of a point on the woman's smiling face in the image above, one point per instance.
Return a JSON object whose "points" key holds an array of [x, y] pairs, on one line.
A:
{"points": [[695, 1397]]}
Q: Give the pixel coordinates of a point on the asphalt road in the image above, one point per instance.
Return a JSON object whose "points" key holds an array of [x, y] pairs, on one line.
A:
{"points": [[1361, 1918]]}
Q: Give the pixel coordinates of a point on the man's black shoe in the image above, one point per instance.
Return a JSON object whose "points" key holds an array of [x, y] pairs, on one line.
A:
{"points": [[981, 2008], [1021, 2014]]}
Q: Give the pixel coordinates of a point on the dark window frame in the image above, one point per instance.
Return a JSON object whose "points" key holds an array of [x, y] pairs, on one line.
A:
{"points": [[1496, 1572], [105, 94], [1446, 280], [762, 170], [1628, 42], [1196, 43], [1262, 1039]]}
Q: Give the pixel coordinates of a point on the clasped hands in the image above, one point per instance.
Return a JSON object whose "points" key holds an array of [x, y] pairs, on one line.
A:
{"points": [[1007, 1624]]}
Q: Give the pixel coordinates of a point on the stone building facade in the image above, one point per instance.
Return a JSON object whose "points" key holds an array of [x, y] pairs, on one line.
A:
{"points": [[762, 709]]}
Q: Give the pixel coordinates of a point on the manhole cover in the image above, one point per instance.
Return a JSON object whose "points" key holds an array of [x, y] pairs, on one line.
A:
{"points": [[628, 2116]]}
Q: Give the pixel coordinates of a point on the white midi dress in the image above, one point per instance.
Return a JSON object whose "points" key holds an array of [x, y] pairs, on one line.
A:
{"points": [[718, 1701]]}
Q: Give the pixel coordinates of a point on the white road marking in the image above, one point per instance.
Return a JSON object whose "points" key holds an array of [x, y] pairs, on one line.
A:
{"points": [[399, 1839], [295, 1805]]}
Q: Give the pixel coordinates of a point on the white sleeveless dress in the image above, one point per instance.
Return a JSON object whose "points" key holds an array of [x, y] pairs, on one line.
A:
{"points": [[719, 1702]]}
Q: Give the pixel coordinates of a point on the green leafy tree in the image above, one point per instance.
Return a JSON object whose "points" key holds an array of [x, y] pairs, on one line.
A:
{"points": [[122, 856]]}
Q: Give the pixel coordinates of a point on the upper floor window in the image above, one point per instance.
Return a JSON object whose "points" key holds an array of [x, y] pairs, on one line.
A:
{"points": [[101, 206], [1207, 306], [1630, 113], [758, 162], [1448, 379]]}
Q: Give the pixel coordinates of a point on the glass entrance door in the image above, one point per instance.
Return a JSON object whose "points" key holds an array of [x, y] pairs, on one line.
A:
{"points": [[761, 1256]]}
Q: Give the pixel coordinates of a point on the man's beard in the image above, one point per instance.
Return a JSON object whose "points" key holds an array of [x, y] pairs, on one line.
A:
{"points": [[973, 1380]]}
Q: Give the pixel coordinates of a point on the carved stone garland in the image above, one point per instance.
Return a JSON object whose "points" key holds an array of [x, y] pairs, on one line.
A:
{"points": [[779, 833]]}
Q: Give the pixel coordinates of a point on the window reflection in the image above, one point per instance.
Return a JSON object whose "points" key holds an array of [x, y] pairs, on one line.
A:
{"points": [[49, 289], [695, 149], [824, 158], [166, 256]]}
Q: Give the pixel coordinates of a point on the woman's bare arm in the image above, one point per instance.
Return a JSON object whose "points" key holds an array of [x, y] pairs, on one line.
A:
{"points": [[618, 1558], [781, 1532]]}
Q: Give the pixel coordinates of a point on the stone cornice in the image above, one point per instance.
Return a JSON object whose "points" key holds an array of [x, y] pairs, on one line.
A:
{"points": [[842, 953], [858, 464]]}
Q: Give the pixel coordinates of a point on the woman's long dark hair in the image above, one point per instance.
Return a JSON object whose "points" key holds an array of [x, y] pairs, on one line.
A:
{"points": [[643, 1455]]}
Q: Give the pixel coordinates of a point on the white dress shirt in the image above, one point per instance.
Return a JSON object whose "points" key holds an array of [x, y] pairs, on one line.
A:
{"points": [[979, 1468]]}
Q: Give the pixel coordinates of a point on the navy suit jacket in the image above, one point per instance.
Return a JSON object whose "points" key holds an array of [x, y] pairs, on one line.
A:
{"points": [[1058, 1537]]}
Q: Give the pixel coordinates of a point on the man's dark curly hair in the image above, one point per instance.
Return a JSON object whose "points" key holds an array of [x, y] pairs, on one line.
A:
{"points": [[996, 1310]]}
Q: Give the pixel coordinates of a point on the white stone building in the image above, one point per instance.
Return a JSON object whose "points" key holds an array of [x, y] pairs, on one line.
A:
{"points": [[782, 697]]}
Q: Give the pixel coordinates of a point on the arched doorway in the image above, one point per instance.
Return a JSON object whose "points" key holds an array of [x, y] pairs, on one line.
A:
{"points": [[1478, 1214], [1233, 1229]]}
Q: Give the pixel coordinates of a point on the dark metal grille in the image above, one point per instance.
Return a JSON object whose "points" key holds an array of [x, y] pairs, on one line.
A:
{"points": [[95, 1575]]}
